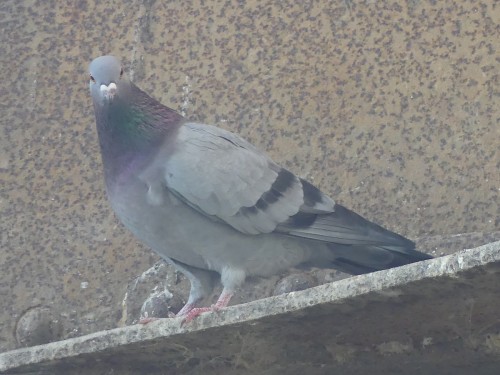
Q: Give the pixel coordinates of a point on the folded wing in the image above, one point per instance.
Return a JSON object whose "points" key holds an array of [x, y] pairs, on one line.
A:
{"points": [[226, 178]]}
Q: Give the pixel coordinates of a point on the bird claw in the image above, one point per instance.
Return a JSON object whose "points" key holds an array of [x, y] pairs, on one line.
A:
{"points": [[197, 311], [190, 312], [145, 321]]}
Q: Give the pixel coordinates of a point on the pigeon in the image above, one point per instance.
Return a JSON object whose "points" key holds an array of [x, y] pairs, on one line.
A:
{"points": [[213, 205]]}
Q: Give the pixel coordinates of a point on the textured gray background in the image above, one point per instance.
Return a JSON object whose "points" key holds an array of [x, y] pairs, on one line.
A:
{"points": [[389, 106]]}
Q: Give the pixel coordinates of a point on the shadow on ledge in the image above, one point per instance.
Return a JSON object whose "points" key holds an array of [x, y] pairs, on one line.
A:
{"points": [[435, 317]]}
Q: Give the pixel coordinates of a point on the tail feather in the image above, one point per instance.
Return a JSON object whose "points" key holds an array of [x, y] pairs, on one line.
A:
{"points": [[357, 245], [357, 260]]}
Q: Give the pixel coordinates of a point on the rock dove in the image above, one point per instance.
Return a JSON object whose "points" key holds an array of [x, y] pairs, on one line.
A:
{"points": [[212, 204]]}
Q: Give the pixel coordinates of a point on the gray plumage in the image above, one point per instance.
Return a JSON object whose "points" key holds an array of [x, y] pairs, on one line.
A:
{"points": [[208, 201]]}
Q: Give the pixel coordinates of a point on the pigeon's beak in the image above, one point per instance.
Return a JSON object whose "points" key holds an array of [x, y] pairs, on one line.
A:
{"points": [[108, 92]]}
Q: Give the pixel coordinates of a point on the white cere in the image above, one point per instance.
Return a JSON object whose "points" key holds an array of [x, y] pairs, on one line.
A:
{"points": [[108, 91]]}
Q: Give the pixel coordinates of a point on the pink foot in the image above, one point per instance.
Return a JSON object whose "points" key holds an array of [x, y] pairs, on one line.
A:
{"points": [[186, 309], [145, 321], [151, 319], [196, 311]]}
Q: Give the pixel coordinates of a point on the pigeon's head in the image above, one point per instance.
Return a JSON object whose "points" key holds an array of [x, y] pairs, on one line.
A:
{"points": [[107, 80]]}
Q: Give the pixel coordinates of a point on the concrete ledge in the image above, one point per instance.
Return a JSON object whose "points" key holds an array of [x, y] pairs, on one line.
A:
{"points": [[435, 317]]}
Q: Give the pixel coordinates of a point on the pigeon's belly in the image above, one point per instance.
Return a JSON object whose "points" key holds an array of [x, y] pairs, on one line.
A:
{"points": [[175, 230]]}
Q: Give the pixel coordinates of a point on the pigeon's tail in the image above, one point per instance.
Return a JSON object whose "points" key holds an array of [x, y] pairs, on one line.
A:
{"points": [[357, 260], [368, 247], [355, 245]]}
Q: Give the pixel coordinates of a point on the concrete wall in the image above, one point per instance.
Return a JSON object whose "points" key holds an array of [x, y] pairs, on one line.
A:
{"points": [[389, 106]]}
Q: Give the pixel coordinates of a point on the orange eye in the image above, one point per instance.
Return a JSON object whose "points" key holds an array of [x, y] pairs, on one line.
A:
{"points": [[92, 78]]}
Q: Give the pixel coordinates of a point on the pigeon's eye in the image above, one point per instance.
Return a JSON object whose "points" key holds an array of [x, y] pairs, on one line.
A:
{"points": [[121, 72], [92, 78]]}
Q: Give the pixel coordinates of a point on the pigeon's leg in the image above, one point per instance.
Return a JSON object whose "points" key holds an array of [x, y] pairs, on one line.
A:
{"points": [[222, 302], [202, 283], [196, 294], [186, 309], [230, 278]]}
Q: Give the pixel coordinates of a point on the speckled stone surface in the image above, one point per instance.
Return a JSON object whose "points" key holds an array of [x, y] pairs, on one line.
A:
{"points": [[392, 107]]}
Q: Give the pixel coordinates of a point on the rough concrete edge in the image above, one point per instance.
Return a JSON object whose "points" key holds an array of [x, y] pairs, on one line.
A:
{"points": [[334, 292]]}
